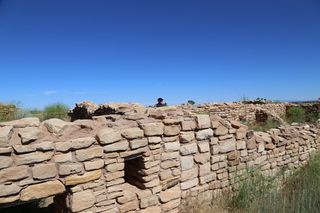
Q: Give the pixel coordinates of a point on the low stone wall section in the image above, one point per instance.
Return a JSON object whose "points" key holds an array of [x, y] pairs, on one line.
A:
{"points": [[143, 161]]}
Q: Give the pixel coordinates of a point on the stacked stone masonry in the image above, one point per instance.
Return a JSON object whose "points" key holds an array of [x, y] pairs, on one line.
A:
{"points": [[142, 160]]}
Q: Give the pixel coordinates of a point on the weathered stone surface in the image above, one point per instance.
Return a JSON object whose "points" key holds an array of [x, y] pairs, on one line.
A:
{"points": [[115, 167], [241, 145], [9, 199], [203, 121], [24, 122], [152, 129], [169, 155], [132, 133], [5, 150], [5, 161], [186, 162], [74, 144], [169, 121], [44, 146], [171, 147], [189, 184], [128, 195], [208, 178], [152, 209], [118, 146], [86, 177], [170, 163], [108, 135], [202, 158], [14, 173], [169, 206], [171, 130], [137, 143], [80, 200], [42, 190], [154, 140], [67, 169], [89, 154], [189, 149], [94, 165], [34, 157], [30, 134], [204, 134], [149, 201], [189, 174], [186, 137], [235, 124], [135, 116], [241, 133], [227, 146], [59, 127], [44, 171], [5, 135], [188, 125], [170, 194], [8, 190], [63, 158], [132, 205], [221, 130], [204, 146], [204, 169]]}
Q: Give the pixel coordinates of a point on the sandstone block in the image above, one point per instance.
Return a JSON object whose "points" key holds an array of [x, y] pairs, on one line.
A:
{"points": [[169, 155], [251, 143], [215, 124], [154, 140], [9, 190], [203, 121], [132, 133], [208, 178], [115, 167], [189, 174], [171, 130], [169, 164], [86, 177], [74, 144], [29, 134], [63, 158], [221, 130], [44, 146], [14, 173], [241, 145], [137, 143], [118, 146], [186, 136], [34, 157], [202, 158], [94, 165], [108, 135], [241, 133], [59, 127], [171, 147], [187, 162], [204, 146], [169, 183], [9, 199], [5, 150], [67, 169], [153, 129], [169, 206], [114, 175], [170, 194], [5, 161], [152, 209], [188, 125], [188, 149], [132, 205], [44, 171], [189, 184], [88, 154], [204, 134], [128, 195], [149, 201], [42, 190], [227, 146], [80, 200], [134, 116], [5, 135], [204, 169], [24, 122], [235, 124]]}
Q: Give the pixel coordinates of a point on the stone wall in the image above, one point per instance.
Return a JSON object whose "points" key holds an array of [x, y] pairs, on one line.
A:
{"points": [[139, 160]]}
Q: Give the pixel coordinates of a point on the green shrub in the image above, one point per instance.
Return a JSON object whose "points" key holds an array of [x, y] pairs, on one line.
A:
{"points": [[296, 114], [56, 110], [22, 113], [264, 126]]}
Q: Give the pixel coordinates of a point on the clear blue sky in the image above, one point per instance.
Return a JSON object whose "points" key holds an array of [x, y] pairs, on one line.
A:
{"points": [[139, 50]]}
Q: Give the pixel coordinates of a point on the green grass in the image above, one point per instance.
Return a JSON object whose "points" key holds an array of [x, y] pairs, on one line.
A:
{"points": [[264, 126]]}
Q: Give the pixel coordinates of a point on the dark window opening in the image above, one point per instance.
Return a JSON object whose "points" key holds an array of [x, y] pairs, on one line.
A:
{"points": [[133, 170]]}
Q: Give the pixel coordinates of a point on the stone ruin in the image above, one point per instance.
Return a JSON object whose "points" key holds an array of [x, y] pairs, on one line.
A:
{"points": [[123, 157]]}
